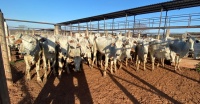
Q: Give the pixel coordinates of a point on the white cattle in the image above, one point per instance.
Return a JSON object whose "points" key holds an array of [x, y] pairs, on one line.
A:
{"points": [[48, 52], [75, 53], [14, 40], [30, 47], [159, 49], [111, 48], [86, 48], [181, 48], [62, 49], [141, 53]]}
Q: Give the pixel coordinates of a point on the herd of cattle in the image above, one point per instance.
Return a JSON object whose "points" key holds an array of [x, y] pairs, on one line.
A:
{"points": [[73, 48]]}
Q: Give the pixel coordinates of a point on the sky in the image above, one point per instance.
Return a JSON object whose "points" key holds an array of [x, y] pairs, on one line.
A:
{"points": [[55, 11]]}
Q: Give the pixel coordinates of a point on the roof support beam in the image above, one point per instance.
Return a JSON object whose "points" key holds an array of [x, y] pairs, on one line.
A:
{"points": [[160, 23]]}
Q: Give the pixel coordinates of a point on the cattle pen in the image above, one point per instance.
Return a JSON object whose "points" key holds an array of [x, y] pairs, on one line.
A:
{"points": [[104, 24]]}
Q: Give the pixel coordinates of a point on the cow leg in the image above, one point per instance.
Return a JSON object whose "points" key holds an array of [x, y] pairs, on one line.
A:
{"points": [[94, 59], [27, 67], [153, 62], [138, 64], [176, 62], [115, 65], [49, 64], [66, 65], [54, 69], [106, 65], [162, 61], [111, 66], [44, 65], [120, 65], [145, 61], [37, 70], [126, 61], [89, 60], [60, 67], [131, 59]]}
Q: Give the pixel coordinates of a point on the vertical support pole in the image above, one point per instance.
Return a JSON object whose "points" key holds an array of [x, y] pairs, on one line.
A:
{"points": [[70, 27], [149, 22], [134, 25], [7, 34], [98, 26], [126, 24], [160, 23], [33, 32], [90, 27], [104, 26], [57, 29], [5, 71], [79, 28], [112, 26], [65, 31], [152, 22], [189, 20], [87, 26], [165, 24], [118, 25]]}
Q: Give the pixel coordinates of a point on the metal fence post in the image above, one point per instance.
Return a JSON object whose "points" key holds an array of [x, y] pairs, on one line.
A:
{"points": [[4, 65], [7, 34]]}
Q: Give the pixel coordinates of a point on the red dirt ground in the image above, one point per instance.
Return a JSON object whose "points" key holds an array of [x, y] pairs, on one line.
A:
{"points": [[126, 86]]}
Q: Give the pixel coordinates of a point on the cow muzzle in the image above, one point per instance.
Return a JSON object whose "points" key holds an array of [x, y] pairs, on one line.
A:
{"points": [[51, 52], [191, 49], [117, 54]]}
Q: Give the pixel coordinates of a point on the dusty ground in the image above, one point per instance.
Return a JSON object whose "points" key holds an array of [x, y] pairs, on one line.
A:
{"points": [[126, 86]]}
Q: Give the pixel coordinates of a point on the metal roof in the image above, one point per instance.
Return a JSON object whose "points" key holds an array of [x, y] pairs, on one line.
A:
{"points": [[170, 5]]}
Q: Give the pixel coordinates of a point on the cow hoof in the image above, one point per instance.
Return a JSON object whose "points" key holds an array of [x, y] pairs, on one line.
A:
{"points": [[39, 80], [104, 73], [68, 72], [111, 72], [28, 79], [59, 77]]}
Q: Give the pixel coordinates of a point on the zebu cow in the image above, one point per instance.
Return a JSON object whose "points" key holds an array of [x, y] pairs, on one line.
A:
{"points": [[14, 40], [181, 48], [141, 53], [110, 48], [159, 49], [85, 48], [75, 52], [48, 52], [63, 49], [30, 47]]}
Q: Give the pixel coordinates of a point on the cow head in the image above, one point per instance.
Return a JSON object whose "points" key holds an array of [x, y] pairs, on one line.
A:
{"points": [[29, 45], [145, 46], [51, 44], [191, 41], [119, 46], [77, 63]]}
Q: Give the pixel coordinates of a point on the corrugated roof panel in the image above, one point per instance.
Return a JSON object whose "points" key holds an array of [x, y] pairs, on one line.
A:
{"points": [[170, 5]]}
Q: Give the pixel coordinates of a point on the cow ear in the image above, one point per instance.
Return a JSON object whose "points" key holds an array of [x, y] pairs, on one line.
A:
{"points": [[112, 44], [197, 41]]}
